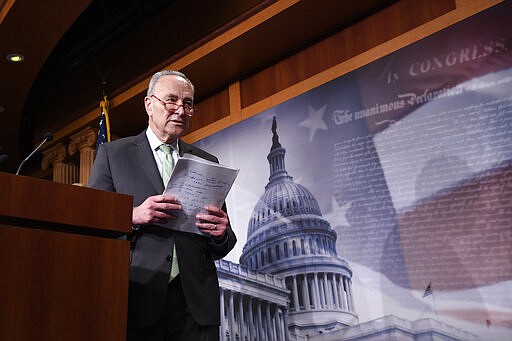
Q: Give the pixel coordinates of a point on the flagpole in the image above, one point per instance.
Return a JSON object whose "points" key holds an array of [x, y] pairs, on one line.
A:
{"points": [[104, 120], [435, 307], [430, 291], [488, 322]]}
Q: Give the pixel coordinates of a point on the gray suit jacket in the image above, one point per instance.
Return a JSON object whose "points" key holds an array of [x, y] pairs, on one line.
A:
{"points": [[127, 166]]}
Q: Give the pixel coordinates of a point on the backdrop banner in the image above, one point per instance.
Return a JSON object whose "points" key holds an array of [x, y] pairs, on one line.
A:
{"points": [[409, 159]]}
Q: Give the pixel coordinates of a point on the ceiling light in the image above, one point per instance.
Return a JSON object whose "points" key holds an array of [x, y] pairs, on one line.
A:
{"points": [[15, 57]]}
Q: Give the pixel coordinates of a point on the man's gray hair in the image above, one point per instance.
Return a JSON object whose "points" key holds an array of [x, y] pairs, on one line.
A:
{"points": [[163, 73]]}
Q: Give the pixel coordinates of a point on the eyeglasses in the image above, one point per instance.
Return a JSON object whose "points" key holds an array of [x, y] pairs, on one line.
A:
{"points": [[173, 105]]}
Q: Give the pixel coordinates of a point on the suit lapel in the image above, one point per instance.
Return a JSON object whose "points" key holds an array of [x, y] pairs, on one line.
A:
{"points": [[147, 162], [184, 148]]}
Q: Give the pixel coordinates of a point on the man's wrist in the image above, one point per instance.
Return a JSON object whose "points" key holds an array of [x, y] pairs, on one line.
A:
{"points": [[222, 239]]}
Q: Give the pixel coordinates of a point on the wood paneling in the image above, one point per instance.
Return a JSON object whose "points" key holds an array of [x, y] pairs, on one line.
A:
{"points": [[59, 286], [385, 25], [64, 273], [210, 110], [344, 52], [70, 205], [394, 27]]}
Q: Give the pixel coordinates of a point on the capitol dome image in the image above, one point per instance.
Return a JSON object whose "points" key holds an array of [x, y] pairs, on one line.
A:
{"points": [[291, 284]]}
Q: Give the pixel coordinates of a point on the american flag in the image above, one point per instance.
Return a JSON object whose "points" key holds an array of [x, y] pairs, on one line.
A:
{"points": [[428, 290], [104, 123]]}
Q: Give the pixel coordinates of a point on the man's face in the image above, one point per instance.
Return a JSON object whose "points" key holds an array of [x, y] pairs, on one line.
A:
{"points": [[169, 125]]}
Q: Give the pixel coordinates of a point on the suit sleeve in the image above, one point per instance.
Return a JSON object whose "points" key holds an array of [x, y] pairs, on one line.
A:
{"points": [[101, 176], [221, 248]]}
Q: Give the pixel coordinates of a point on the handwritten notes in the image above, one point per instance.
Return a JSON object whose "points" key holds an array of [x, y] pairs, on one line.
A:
{"points": [[197, 183]]}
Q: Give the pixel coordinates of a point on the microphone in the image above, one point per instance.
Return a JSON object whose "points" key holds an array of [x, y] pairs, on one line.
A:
{"points": [[47, 137], [3, 158]]}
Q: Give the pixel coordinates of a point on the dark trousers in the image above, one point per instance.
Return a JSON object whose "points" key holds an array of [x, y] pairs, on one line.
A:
{"points": [[176, 323]]}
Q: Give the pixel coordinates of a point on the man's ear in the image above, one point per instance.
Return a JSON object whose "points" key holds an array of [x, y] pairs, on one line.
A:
{"points": [[147, 105]]}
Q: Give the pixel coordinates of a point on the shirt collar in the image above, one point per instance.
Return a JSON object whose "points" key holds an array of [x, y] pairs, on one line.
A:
{"points": [[154, 141]]}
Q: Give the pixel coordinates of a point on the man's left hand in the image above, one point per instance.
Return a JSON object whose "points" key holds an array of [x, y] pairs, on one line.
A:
{"points": [[213, 223]]}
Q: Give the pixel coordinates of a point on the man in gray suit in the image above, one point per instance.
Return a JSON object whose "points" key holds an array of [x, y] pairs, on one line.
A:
{"points": [[161, 307]]}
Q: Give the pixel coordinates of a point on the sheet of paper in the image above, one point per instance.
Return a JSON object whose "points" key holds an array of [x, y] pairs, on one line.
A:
{"points": [[197, 183]]}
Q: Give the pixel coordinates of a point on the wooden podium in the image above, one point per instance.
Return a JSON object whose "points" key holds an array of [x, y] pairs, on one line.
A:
{"points": [[63, 273]]}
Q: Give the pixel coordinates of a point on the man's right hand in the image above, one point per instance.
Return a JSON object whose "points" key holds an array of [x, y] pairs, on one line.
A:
{"points": [[155, 209]]}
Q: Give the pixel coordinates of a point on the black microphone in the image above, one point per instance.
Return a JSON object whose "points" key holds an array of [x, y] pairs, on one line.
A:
{"points": [[3, 158], [47, 137]]}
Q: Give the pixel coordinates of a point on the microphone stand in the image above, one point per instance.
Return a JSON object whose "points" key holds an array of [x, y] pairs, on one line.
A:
{"points": [[47, 137]]}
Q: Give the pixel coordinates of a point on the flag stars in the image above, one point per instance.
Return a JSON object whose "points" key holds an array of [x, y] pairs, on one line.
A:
{"points": [[315, 121]]}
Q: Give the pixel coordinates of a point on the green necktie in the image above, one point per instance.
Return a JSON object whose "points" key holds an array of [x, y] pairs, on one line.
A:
{"points": [[167, 167], [168, 163]]}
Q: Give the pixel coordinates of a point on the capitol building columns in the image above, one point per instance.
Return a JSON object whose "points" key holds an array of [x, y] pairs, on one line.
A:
{"points": [[316, 293], [295, 294], [248, 317], [320, 291]]}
